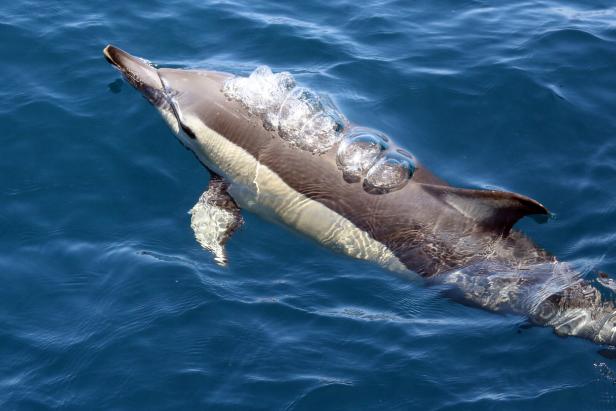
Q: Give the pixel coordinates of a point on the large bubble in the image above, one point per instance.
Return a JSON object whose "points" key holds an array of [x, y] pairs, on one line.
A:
{"points": [[300, 116], [390, 173], [359, 150]]}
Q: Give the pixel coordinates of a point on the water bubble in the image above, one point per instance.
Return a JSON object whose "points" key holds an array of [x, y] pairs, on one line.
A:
{"points": [[300, 116], [261, 72], [313, 123], [300, 105], [262, 92], [390, 173], [309, 122], [359, 150]]}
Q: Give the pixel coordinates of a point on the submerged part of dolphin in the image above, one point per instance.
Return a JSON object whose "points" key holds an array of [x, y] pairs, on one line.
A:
{"points": [[289, 155]]}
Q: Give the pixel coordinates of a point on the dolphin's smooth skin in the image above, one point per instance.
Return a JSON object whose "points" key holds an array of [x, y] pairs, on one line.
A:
{"points": [[428, 229]]}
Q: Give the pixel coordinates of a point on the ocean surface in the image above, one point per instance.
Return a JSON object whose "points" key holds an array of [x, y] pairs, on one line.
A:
{"points": [[107, 301]]}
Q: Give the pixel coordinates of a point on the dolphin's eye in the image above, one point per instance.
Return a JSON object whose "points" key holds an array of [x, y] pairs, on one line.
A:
{"points": [[359, 150], [390, 173], [188, 131]]}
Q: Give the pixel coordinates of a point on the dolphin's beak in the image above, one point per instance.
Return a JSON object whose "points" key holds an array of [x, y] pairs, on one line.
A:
{"points": [[138, 72]]}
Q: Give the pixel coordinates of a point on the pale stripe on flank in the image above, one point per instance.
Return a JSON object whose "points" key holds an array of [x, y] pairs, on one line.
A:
{"points": [[257, 188]]}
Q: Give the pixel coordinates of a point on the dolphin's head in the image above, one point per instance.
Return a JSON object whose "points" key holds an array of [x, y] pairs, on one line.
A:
{"points": [[138, 72], [175, 93]]}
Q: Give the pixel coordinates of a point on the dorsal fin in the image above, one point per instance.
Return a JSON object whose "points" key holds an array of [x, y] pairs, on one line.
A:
{"points": [[493, 210]]}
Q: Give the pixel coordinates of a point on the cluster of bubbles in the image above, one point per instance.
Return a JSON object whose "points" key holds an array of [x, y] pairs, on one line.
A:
{"points": [[367, 154], [313, 123], [300, 116]]}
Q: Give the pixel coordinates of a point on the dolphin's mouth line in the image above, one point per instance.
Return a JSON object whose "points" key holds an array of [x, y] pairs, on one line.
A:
{"points": [[130, 76]]}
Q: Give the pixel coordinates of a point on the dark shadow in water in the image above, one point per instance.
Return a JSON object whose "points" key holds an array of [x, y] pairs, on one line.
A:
{"points": [[609, 353], [115, 86]]}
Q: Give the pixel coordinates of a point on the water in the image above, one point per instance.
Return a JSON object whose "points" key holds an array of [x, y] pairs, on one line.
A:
{"points": [[108, 302]]}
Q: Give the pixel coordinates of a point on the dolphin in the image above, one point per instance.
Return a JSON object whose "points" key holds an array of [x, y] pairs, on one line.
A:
{"points": [[353, 190]]}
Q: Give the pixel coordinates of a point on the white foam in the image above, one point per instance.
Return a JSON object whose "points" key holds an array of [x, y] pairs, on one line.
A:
{"points": [[301, 117], [261, 92]]}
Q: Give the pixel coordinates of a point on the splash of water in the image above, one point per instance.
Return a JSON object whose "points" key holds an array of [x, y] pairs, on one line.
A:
{"points": [[553, 294]]}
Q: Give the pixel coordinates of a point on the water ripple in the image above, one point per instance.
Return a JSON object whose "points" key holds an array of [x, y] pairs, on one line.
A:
{"points": [[107, 301]]}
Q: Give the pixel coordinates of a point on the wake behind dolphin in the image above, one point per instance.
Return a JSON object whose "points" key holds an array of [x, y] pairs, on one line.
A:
{"points": [[288, 154]]}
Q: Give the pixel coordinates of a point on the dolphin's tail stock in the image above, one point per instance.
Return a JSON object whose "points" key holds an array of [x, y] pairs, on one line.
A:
{"points": [[585, 309], [550, 294]]}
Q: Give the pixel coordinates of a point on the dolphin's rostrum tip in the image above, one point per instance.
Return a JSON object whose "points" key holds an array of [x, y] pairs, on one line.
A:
{"points": [[137, 71], [114, 55], [107, 53]]}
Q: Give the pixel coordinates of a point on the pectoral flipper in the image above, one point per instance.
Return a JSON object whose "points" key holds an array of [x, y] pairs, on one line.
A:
{"points": [[215, 217]]}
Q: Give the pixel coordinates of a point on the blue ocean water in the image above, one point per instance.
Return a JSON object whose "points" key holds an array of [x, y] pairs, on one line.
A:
{"points": [[107, 301]]}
